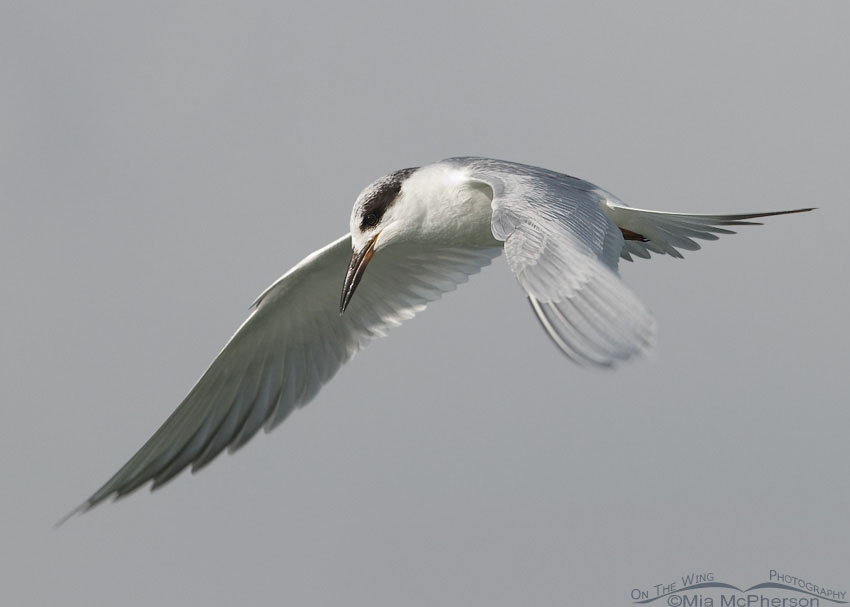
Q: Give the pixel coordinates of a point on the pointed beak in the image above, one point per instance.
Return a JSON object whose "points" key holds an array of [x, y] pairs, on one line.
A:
{"points": [[359, 261]]}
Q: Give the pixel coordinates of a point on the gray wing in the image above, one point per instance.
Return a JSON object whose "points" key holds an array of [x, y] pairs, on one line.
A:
{"points": [[293, 342], [670, 233], [564, 251]]}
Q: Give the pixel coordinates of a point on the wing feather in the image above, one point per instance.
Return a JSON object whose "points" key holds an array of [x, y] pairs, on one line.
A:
{"points": [[564, 250], [666, 233], [293, 342], [563, 239]]}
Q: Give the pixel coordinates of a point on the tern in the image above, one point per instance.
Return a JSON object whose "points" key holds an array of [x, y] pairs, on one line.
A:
{"points": [[421, 232]]}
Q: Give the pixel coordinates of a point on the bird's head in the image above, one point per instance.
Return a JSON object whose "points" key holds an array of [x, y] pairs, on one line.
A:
{"points": [[377, 219]]}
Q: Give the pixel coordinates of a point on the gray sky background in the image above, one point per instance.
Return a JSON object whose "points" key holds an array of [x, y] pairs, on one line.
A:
{"points": [[161, 164]]}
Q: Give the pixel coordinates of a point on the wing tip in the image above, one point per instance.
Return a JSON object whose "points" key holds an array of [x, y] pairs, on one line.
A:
{"points": [[82, 508]]}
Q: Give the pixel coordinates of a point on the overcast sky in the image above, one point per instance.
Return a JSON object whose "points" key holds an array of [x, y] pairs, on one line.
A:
{"points": [[160, 165]]}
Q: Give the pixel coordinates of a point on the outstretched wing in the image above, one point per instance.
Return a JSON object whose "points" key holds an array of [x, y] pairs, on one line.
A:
{"points": [[666, 233], [564, 251], [293, 342]]}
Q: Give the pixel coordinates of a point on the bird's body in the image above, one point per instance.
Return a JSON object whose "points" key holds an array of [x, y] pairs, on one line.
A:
{"points": [[421, 232]]}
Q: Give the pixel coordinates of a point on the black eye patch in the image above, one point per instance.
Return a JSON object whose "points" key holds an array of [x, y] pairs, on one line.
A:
{"points": [[370, 219], [381, 197]]}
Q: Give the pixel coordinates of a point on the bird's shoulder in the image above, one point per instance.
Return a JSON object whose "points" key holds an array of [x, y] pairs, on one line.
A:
{"points": [[517, 176], [555, 202]]}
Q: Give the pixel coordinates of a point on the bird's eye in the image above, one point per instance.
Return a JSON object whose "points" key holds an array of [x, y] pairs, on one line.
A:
{"points": [[370, 219]]}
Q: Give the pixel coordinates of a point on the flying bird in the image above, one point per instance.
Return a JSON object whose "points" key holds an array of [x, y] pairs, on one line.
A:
{"points": [[415, 234]]}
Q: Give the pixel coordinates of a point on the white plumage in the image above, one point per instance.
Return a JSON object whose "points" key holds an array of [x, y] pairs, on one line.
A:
{"points": [[422, 232]]}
